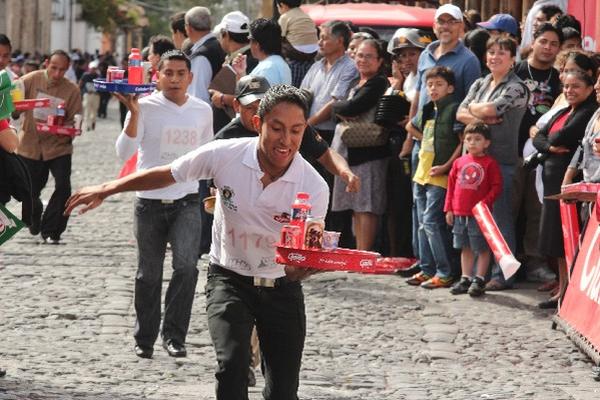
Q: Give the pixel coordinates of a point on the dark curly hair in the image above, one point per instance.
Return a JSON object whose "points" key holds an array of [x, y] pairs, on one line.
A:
{"points": [[282, 94], [268, 35]]}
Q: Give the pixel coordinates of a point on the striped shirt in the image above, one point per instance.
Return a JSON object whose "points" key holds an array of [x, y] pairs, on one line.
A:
{"points": [[326, 85]]}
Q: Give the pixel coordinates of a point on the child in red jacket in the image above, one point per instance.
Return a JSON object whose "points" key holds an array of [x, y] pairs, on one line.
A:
{"points": [[474, 177]]}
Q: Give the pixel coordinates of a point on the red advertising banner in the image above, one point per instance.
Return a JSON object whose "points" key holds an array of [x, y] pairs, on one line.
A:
{"points": [[585, 12], [581, 304]]}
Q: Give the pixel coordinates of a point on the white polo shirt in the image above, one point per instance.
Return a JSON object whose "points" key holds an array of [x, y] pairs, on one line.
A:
{"points": [[248, 217], [165, 132]]}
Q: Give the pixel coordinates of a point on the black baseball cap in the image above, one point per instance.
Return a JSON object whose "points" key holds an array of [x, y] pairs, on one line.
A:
{"points": [[251, 88]]}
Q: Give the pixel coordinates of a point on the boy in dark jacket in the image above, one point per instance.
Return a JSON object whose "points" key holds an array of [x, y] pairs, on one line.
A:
{"points": [[435, 124]]}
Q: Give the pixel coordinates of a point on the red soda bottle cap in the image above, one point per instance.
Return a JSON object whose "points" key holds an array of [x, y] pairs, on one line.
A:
{"points": [[303, 195]]}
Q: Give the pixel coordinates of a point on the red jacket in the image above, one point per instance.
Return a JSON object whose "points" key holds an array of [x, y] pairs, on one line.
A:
{"points": [[471, 180]]}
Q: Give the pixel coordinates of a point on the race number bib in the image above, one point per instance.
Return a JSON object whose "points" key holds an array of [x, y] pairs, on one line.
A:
{"points": [[176, 141], [249, 249], [41, 114]]}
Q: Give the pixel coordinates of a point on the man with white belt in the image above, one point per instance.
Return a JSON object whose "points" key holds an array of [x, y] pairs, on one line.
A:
{"points": [[257, 181]]}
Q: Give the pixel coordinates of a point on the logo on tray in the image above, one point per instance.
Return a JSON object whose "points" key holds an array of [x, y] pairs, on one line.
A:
{"points": [[297, 257], [332, 262], [366, 263]]}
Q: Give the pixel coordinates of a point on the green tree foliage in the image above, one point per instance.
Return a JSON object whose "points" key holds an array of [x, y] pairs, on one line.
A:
{"points": [[110, 15]]}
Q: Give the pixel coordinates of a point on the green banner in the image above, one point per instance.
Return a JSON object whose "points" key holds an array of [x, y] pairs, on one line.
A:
{"points": [[9, 224], [6, 103]]}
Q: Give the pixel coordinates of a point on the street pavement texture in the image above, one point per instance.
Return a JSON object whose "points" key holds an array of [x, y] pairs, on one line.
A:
{"points": [[67, 321]]}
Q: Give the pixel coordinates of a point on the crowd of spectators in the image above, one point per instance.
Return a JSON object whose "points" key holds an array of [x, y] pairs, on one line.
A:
{"points": [[498, 113]]}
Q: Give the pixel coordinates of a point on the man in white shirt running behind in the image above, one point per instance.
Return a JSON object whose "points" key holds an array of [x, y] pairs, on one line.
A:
{"points": [[257, 180], [160, 128]]}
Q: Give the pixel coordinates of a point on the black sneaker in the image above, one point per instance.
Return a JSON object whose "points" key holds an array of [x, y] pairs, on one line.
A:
{"points": [[462, 286], [477, 287]]}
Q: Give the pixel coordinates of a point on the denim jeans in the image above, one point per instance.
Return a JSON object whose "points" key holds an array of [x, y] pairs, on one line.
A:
{"points": [[503, 215], [233, 306], [434, 238], [157, 223], [414, 162]]}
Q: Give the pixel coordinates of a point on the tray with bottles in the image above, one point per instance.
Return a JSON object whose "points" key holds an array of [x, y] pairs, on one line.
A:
{"points": [[30, 104], [123, 87], [58, 130]]}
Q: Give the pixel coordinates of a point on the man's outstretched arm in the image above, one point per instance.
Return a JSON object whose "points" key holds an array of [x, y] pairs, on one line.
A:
{"points": [[93, 196]]}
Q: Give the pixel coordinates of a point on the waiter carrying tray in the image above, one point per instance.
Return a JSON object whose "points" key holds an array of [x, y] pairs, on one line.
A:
{"points": [[257, 180]]}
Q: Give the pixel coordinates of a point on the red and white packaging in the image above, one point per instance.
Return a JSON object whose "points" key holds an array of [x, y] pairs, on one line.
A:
{"points": [[507, 261], [570, 229]]}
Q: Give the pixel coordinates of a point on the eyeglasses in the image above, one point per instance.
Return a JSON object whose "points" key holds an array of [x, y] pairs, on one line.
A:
{"points": [[367, 57], [447, 22]]}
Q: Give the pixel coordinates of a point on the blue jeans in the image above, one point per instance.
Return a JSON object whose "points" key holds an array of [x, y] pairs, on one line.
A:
{"points": [[157, 223], [503, 215], [414, 162], [434, 238]]}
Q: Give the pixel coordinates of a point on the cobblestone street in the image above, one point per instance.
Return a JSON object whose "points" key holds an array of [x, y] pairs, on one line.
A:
{"points": [[67, 323]]}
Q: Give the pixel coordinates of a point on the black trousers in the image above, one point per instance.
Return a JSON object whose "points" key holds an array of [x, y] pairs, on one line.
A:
{"points": [[233, 306], [51, 222]]}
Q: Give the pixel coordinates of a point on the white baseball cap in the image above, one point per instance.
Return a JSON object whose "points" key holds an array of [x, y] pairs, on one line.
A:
{"points": [[451, 10], [234, 22]]}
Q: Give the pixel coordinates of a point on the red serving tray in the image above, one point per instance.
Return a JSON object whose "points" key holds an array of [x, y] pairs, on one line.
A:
{"points": [[389, 265], [30, 104], [57, 130], [330, 260], [581, 191]]}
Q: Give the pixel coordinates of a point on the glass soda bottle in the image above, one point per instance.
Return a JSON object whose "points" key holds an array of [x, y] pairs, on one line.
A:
{"points": [[60, 115], [135, 71], [300, 212]]}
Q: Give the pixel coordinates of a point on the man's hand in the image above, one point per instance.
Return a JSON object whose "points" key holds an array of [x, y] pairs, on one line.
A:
{"points": [[239, 65], [352, 181], [130, 101], [492, 120], [91, 196], [438, 170], [299, 273], [216, 98], [450, 218]]}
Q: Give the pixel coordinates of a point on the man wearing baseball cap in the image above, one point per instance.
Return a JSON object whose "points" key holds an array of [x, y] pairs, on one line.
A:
{"points": [[448, 51], [501, 23]]}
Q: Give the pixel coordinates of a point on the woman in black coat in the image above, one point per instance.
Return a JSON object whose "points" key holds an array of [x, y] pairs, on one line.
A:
{"points": [[557, 141]]}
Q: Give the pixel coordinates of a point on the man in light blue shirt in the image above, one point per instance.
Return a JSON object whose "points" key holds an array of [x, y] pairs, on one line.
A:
{"points": [[265, 45]]}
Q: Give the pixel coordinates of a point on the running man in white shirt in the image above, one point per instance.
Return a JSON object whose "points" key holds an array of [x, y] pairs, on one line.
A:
{"points": [[257, 180], [162, 127]]}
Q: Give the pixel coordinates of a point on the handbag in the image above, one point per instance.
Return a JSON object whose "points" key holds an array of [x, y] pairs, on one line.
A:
{"points": [[362, 131]]}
